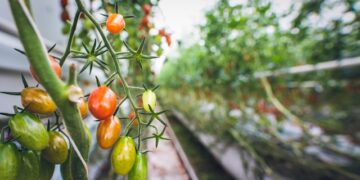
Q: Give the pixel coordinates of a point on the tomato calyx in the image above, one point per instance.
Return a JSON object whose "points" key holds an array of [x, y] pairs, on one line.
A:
{"points": [[137, 54], [91, 56]]}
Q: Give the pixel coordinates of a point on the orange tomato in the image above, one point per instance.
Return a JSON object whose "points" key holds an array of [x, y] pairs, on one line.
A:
{"points": [[83, 108], [108, 132], [168, 39], [115, 23], [132, 116]]}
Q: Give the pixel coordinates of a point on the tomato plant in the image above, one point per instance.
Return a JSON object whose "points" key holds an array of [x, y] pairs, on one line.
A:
{"points": [[63, 102], [108, 132]]}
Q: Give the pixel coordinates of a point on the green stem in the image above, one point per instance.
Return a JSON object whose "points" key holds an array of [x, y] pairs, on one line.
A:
{"points": [[71, 37], [72, 75], [28, 5], [38, 58], [113, 56]]}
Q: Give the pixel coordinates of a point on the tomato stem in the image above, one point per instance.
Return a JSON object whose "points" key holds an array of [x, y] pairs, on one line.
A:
{"points": [[71, 37]]}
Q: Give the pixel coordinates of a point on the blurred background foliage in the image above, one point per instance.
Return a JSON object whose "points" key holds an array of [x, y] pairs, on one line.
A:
{"points": [[302, 126]]}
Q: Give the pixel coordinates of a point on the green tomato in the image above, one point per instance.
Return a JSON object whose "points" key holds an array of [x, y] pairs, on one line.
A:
{"points": [[57, 151], [123, 155], [149, 99], [65, 167], [29, 166], [9, 161], [47, 169], [139, 170], [29, 131], [88, 25]]}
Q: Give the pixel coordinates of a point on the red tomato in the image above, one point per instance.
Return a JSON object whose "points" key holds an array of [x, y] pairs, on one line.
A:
{"points": [[108, 132], [115, 23], [102, 102], [162, 32], [64, 3], [146, 9], [132, 116], [54, 65], [145, 21], [65, 16]]}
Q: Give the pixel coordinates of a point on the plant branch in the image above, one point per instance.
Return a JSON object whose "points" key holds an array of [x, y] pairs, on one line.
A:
{"points": [[71, 37], [38, 58]]}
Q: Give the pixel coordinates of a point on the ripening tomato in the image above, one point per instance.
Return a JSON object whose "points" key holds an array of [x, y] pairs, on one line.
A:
{"points": [[54, 65], [162, 32], [9, 161], [146, 9], [123, 155], [108, 131], [132, 116], [65, 16], [139, 170], [145, 21], [149, 99], [83, 108], [37, 100], [102, 102], [115, 23], [168, 39], [57, 151], [29, 131]]}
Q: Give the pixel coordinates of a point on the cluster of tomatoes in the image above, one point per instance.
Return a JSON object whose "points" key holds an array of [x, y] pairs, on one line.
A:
{"points": [[145, 21], [102, 105], [40, 148], [29, 146], [65, 13]]}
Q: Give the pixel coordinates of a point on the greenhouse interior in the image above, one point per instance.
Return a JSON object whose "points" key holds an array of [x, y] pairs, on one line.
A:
{"points": [[180, 90]]}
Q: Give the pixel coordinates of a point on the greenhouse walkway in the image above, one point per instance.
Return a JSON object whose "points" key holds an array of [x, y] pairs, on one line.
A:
{"points": [[168, 161]]}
